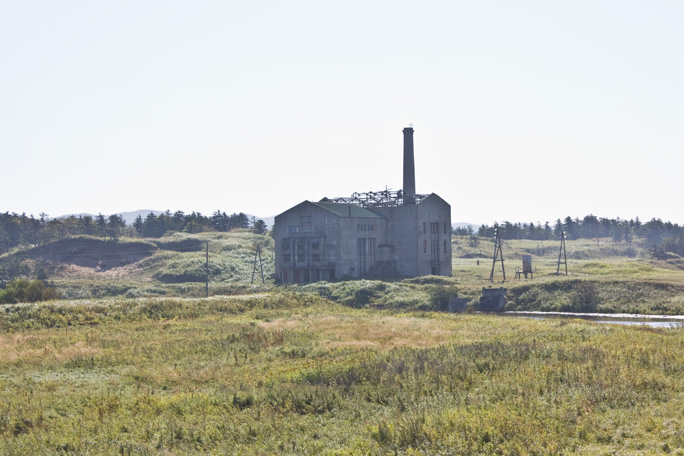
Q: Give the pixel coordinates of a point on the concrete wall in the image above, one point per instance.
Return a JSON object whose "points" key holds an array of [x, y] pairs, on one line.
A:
{"points": [[312, 243], [359, 238], [306, 244], [418, 245], [435, 241], [402, 235]]}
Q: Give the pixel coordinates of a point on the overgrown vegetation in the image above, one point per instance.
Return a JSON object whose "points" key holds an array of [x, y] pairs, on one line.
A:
{"points": [[23, 290], [605, 276], [353, 367], [87, 267], [293, 373]]}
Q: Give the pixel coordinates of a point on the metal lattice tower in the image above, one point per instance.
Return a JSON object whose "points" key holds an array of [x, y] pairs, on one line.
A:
{"points": [[562, 254], [498, 256], [257, 257]]}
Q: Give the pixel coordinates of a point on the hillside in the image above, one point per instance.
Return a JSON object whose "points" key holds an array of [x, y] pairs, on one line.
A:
{"points": [[91, 253], [603, 276], [86, 267]]}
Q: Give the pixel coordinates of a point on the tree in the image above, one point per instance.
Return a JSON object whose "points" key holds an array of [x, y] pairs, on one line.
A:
{"points": [[13, 269], [572, 228], [617, 234], [87, 225], [239, 220], [139, 225], [259, 226], [115, 226], [31, 229], [220, 221], [655, 231], [558, 228], [590, 226], [101, 223], [5, 241]]}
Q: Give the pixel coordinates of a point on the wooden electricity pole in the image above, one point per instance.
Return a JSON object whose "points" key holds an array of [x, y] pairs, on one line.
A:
{"points": [[498, 252], [562, 254]]}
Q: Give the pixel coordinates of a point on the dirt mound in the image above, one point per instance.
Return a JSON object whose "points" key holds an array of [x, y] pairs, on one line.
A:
{"points": [[93, 253]]}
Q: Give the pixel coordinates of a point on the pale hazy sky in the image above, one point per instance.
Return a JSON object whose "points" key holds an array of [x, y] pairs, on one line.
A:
{"points": [[523, 111]]}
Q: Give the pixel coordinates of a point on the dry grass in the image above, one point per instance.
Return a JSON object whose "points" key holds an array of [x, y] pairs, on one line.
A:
{"points": [[201, 376], [381, 333]]}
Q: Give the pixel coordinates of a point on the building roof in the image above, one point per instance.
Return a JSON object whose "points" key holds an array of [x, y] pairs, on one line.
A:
{"points": [[347, 210]]}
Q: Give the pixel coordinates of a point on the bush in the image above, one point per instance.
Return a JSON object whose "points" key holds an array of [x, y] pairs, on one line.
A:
{"points": [[440, 296], [24, 290], [585, 297]]}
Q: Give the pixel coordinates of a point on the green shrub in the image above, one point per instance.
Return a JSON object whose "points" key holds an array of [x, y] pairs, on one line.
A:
{"points": [[24, 290], [585, 297], [440, 296]]}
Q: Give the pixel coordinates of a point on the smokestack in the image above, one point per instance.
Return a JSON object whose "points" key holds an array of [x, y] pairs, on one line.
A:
{"points": [[409, 168]]}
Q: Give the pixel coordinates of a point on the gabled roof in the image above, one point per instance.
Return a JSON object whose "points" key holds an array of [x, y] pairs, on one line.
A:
{"points": [[433, 197], [347, 210]]}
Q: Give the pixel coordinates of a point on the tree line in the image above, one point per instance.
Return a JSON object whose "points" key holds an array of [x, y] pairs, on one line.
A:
{"points": [[660, 236], [26, 230]]}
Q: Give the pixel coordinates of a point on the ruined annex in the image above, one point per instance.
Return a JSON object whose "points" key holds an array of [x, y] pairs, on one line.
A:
{"points": [[375, 235]]}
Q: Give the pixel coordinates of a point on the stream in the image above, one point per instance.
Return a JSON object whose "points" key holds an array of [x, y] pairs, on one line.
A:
{"points": [[654, 321]]}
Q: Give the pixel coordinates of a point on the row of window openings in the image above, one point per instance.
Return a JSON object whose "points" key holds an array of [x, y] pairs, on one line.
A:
{"points": [[307, 228], [304, 229], [315, 245], [301, 257], [434, 247], [434, 228]]}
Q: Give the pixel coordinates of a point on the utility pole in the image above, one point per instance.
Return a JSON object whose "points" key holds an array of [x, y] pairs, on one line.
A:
{"points": [[207, 271], [497, 252], [562, 253], [257, 254]]}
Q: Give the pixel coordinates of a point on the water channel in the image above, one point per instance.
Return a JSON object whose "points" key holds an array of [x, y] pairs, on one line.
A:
{"points": [[654, 321]]}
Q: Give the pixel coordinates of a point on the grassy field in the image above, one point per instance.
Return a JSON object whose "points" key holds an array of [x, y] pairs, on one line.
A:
{"points": [[294, 373], [134, 361], [602, 277]]}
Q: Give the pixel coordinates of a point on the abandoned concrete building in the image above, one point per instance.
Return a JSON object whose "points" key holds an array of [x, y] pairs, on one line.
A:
{"points": [[381, 234]]}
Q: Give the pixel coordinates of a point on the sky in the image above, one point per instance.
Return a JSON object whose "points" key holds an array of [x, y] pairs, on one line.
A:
{"points": [[523, 111]]}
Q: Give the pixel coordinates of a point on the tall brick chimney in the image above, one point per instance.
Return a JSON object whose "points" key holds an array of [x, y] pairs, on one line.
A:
{"points": [[409, 168]]}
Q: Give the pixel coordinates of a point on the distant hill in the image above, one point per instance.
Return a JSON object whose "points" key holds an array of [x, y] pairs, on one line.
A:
{"points": [[269, 221], [465, 225], [129, 217]]}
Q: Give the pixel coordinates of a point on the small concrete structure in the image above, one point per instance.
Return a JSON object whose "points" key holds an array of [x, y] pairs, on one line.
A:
{"points": [[458, 305], [493, 299]]}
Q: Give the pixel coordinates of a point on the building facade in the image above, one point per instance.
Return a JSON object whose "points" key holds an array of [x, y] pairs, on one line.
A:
{"points": [[398, 235]]}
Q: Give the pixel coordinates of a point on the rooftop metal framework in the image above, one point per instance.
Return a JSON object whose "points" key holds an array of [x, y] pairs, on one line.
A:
{"points": [[382, 198]]}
